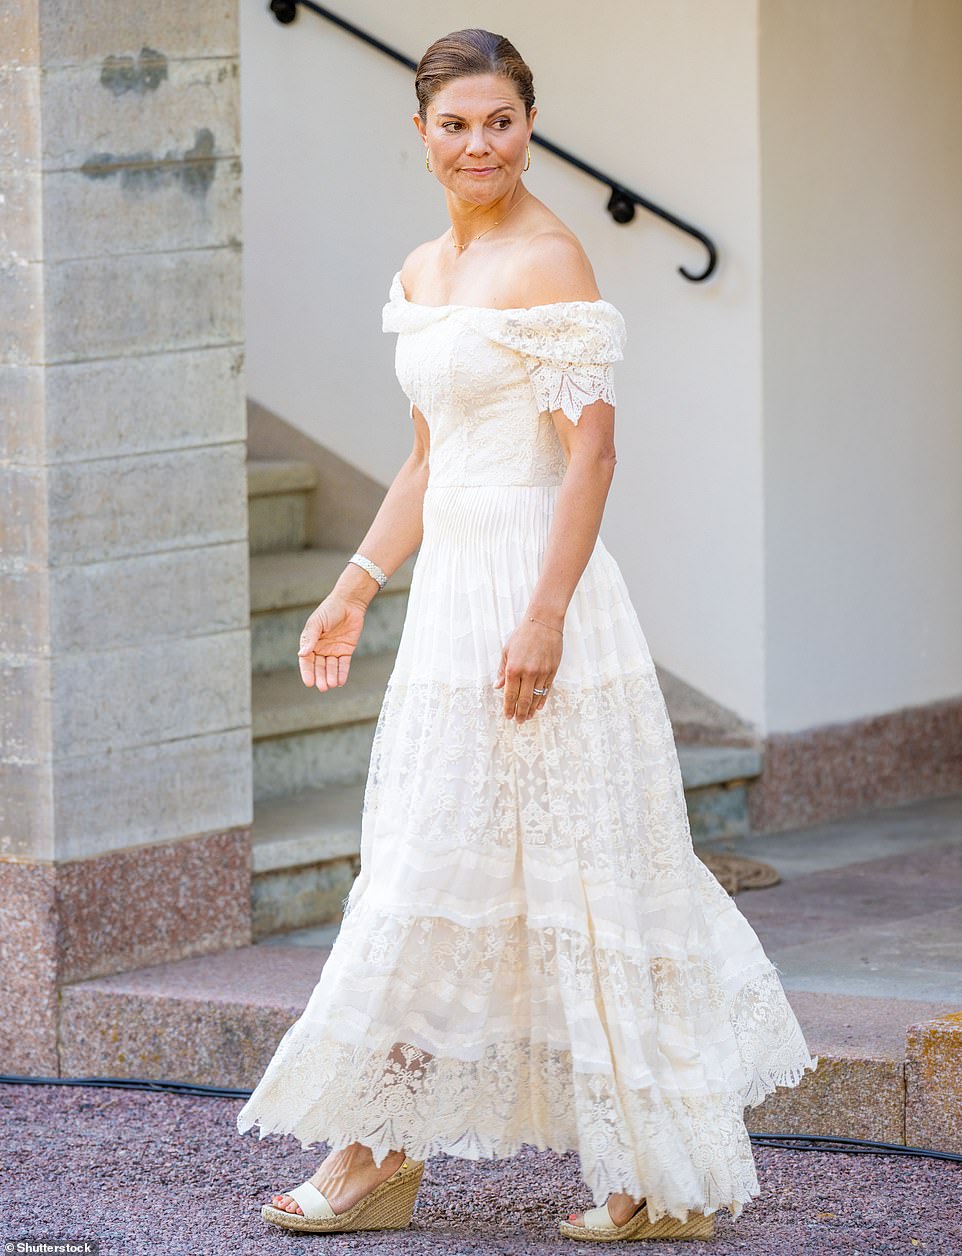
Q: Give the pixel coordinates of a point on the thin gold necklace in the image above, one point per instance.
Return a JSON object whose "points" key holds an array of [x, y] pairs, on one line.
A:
{"points": [[462, 247]]}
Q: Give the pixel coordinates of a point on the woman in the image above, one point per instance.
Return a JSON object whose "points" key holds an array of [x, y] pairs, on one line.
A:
{"points": [[532, 952]]}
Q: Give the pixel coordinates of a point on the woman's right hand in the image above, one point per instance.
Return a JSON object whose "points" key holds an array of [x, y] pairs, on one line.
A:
{"points": [[329, 639]]}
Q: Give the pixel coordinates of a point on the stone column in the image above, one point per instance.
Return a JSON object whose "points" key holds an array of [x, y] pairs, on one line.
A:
{"points": [[125, 795]]}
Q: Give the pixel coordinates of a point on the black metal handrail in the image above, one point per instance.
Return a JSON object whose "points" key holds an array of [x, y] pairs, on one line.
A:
{"points": [[621, 201]]}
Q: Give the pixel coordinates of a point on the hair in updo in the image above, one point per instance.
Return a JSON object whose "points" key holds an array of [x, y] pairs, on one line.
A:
{"points": [[467, 52]]}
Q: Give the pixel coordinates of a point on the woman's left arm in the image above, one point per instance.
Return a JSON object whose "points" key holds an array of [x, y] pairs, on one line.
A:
{"points": [[532, 653], [553, 267]]}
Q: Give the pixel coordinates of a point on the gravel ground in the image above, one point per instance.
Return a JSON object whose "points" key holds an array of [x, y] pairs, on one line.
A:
{"points": [[161, 1173]]}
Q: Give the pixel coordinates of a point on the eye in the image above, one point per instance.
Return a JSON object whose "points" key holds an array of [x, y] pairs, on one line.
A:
{"points": [[499, 121], [448, 125]]}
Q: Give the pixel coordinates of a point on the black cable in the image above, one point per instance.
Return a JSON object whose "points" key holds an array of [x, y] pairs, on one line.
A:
{"points": [[785, 1142]]}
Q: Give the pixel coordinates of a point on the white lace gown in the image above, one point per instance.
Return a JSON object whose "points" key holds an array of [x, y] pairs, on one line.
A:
{"points": [[531, 952]]}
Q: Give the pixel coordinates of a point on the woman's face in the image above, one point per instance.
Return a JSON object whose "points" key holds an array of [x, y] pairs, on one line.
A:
{"points": [[476, 133]]}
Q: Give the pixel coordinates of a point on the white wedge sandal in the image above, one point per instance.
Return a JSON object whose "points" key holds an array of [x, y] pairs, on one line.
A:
{"points": [[388, 1207], [598, 1226]]}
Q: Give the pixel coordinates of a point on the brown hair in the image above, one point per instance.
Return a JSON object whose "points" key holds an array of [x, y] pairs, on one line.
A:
{"points": [[467, 52]]}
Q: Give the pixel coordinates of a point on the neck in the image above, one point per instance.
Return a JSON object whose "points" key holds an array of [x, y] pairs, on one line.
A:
{"points": [[469, 219]]}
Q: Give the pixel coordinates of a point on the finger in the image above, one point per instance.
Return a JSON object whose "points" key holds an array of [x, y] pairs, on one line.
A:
{"points": [[525, 697], [305, 663], [324, 671], [305, 653], [499, 679], [543, 697], [320, 672], [332, 662], [512, 687], [309, 637], [343, 667]]}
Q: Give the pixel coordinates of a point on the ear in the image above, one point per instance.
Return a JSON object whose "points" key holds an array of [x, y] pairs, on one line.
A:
{"points": [[531, 118], [421, 128]]}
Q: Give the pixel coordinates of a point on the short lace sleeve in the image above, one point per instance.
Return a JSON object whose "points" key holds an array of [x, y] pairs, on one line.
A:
{"points": [[570, 348]]}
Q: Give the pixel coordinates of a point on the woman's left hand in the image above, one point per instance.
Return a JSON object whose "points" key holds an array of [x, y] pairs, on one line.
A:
{"points": [[529, 661]]}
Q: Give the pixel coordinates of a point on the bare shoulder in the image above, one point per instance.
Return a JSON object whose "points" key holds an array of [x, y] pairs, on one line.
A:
{"points": [[417, 262], [552, 266]]}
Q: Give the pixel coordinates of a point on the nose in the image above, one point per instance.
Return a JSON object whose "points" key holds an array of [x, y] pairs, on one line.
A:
{"points": [[477, 142]]}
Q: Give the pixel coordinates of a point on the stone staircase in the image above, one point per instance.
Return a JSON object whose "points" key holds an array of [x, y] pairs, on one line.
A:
{"points": [[311, 750]]}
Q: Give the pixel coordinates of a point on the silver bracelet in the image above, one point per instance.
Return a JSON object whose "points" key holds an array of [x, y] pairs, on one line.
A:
{"points": [[372, 569]]}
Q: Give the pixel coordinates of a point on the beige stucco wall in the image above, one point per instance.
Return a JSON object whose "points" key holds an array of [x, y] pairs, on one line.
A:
{"points": [[861, 132]]}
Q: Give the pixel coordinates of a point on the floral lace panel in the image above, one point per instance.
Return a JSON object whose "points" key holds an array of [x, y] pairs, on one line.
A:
{"points": [[593, 781], [682, 1150], [571, 387], [581, 332]]}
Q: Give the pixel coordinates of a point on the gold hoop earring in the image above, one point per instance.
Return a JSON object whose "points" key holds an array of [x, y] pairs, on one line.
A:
{"points": [[427, 158], [527, 164]]}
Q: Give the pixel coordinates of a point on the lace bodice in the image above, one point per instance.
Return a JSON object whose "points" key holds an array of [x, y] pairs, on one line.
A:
{"points": [[486, 379]]}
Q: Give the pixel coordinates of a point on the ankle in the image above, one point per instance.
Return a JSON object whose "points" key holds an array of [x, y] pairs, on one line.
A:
{"points": [[359, 1156]]}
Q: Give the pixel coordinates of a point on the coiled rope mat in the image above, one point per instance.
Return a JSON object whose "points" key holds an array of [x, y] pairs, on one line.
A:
{"points": [[738, 872]]}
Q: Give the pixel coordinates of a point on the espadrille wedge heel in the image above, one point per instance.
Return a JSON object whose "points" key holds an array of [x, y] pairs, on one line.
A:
{"points": [[388, 1207], [600, 1228]]}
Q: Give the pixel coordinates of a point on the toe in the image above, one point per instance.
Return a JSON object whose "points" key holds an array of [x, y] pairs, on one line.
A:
{"points": [[575, 1218]]}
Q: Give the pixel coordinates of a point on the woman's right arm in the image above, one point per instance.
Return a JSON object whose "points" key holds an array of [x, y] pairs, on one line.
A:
{"points": [[332, 631]]}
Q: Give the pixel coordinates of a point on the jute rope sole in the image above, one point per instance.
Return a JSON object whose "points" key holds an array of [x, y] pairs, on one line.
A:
{"points": [[698, 1226], [388, 1207]]}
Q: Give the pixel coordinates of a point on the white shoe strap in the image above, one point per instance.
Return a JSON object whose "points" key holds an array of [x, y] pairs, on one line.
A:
{"points": [[599, 1218], [313, 1204]]}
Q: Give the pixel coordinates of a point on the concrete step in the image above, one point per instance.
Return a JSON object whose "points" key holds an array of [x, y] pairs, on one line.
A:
{"points": [[304, 738], [286, 587], [716, 782], [269, 477], [304, 857], [217, 1019], [697, 719], [278, 503]]}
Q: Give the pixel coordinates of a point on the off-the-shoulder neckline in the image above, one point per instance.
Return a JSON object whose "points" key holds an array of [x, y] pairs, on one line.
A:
{"points": [[492, 309]]}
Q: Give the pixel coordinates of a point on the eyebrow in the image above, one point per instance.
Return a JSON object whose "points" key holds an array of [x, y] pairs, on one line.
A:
{"points": [[502, 109]]}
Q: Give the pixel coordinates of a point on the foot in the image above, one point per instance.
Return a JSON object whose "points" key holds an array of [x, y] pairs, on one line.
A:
{"points": [[345, 1177], [621, 1207]]}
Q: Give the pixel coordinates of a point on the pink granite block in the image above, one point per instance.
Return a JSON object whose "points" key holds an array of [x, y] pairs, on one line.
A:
{"points": [[150, 904], [848, 1097], [838, 769], [214, 1020], [28, 968], [933, 1077], [858, 1025], [858, 1089]]}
